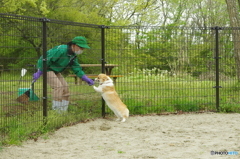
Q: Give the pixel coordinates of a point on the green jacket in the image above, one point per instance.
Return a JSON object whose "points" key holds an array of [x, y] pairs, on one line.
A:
{"points": [[58, 59]]}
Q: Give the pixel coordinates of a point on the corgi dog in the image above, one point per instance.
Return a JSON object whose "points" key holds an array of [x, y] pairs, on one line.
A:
{"points": [[107, 90]]}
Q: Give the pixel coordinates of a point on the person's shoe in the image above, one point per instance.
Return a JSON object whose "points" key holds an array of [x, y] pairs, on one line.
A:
{"points": [[65, 105], [57, 105]]}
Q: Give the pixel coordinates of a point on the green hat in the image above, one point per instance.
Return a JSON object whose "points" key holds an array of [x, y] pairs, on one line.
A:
{"points": [[81, 42]]}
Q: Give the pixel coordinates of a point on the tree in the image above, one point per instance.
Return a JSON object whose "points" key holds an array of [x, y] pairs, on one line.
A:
{"points": [[233, 12]]}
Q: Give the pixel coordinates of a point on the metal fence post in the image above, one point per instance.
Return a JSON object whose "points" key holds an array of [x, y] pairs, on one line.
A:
{"points": [[44, 45], [103, 62], [217, 66]]}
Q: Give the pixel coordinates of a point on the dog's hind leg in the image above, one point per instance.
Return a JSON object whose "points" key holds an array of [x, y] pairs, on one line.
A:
{"points": [[125, 116], [123, 120], [119, 116]]}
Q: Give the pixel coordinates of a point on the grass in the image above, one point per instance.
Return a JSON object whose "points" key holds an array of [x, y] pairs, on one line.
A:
{"points": [[120, 152], [167, 95], [143, 94]]}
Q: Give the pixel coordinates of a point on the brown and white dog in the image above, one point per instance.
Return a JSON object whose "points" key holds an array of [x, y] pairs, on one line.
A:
{"points": [[107, 90]]}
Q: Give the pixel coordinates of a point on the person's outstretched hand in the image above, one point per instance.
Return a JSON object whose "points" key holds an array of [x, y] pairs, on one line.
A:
{"points": [[88, 80]]}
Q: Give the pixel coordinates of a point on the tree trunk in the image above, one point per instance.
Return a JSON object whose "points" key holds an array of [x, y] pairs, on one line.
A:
{"points": [[233, 11]]}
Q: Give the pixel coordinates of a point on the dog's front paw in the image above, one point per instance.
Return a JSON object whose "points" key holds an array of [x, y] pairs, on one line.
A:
{"points": [[94, 87]]}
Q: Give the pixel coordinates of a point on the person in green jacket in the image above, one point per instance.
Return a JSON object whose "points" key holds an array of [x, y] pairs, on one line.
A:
{"points": [[59, 58]]}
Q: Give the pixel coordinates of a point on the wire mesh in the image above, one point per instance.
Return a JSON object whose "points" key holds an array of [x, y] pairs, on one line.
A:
{"points": [[162, 68], [156, 70]]}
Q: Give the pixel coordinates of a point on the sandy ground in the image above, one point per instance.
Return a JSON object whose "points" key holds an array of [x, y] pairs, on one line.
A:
{"points": [[186, 136]]}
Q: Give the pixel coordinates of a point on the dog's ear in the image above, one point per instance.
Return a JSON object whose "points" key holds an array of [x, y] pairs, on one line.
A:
{"points": [[101, 76]]}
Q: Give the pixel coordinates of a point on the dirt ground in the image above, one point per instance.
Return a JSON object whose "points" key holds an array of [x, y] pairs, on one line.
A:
{"points": [[186, 136]]}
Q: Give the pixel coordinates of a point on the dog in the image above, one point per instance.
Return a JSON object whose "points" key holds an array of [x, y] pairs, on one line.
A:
{"points": [[107, 90]]}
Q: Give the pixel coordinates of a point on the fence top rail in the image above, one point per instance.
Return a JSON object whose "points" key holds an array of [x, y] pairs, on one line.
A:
{"points": [[175, 27], [28, 18], [21, 17]]}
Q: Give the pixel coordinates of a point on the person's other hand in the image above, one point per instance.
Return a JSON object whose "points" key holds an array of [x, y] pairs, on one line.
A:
{"points": [[37, 75]]}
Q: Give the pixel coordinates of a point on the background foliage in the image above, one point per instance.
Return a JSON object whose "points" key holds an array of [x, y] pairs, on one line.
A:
{"points": [[125, 12], [164, 13]]}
